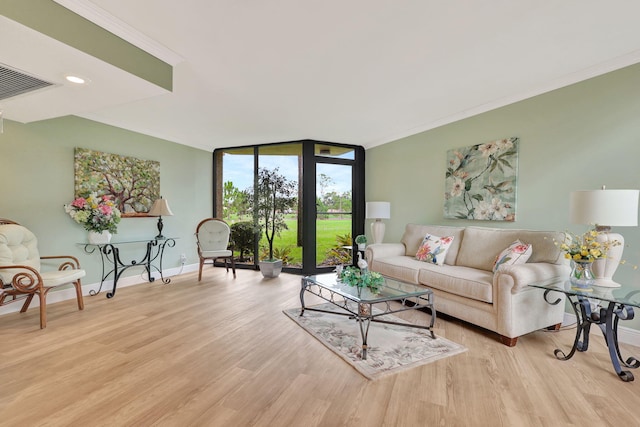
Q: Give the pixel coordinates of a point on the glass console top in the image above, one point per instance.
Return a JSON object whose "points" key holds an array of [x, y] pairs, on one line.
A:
{"points": [[124, 242], [626, 295]]}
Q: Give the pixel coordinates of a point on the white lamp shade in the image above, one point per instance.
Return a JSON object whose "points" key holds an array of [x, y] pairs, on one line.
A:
{"points": [[378, 210], [160, 208], [604, 207]]}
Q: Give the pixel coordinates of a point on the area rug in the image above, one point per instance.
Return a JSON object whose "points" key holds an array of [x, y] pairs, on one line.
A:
{"points": [[391, 348]]}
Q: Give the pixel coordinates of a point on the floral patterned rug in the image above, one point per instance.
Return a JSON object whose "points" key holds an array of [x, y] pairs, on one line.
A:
{"points": [[391, 348]]}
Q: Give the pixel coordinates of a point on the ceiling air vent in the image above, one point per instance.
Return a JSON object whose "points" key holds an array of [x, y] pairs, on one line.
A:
{"points": [[13, 82]]}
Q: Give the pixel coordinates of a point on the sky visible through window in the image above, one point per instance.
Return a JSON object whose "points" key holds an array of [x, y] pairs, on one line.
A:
{"points": [[239, 170]]}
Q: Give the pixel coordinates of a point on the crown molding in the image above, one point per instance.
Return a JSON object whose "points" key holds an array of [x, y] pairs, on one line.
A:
{"points": [[104, 19]]}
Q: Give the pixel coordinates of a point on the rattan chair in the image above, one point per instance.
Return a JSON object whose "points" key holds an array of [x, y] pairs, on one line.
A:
{"points": [[21, 273]]}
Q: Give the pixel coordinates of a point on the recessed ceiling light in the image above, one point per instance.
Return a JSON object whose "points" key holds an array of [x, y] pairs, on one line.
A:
{"points": [[76, 79]]}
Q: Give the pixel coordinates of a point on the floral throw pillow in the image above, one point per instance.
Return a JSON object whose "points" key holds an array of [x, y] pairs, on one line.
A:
{"points": [[434, 249], [517, 253]]}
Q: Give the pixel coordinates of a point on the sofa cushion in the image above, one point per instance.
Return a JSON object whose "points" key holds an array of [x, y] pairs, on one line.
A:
{"points": [[463, 281], [481, 245], [19, 246], [414, 234], [434, 249], [517, 253], [400, 267]]}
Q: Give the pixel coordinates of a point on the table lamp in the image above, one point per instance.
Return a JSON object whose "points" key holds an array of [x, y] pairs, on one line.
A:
{"points": [[160, 208], [379, 211], [603, 209]]}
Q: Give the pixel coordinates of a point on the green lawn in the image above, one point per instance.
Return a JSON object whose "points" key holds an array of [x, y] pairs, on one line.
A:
{"points": [[326, 231]]}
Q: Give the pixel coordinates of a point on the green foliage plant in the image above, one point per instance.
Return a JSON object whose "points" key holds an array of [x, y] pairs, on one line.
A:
{"points": [[283, 254], [353, 276], [340, 254], [272, 198], [243, 235], [361, 239]]}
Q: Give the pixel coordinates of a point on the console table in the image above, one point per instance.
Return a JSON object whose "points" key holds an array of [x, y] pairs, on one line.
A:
{"points": [[603, 307], [112, 263]]}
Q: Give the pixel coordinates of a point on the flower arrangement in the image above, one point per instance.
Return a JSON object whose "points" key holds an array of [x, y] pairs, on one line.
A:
{"points": [[95, 213], [586, 247], [353, 276]]}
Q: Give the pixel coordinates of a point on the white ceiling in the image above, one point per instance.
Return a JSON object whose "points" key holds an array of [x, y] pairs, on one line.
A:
{"points": [[362, 72]]}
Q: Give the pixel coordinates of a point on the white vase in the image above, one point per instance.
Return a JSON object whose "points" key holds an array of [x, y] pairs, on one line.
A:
{"points": [[271, 269], [97, 238]]}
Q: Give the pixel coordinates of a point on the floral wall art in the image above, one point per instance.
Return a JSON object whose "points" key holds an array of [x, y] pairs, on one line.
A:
{"points": [[481, 181], [132, 183]]}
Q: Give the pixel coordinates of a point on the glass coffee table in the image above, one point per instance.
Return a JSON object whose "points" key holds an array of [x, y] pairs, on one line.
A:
{"points": [[359, 303], [599, 306]]}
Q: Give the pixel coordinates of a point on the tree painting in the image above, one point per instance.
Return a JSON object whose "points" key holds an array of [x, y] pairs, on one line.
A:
{"points": [[133, 183], [480, 182]]}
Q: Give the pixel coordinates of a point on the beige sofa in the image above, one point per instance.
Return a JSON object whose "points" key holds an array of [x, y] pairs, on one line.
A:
{"points": [[465, 286]]}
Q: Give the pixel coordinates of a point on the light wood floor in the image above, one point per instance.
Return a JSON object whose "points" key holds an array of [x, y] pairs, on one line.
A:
{"points": [[222, 353]]}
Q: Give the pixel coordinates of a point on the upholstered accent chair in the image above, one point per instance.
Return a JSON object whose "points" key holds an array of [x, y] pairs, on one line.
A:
{"points": [[22, 276], [213, 239]]}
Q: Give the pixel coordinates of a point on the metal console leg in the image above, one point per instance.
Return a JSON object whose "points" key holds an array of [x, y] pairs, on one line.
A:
{"points": [[610, 331], [303, 287]]}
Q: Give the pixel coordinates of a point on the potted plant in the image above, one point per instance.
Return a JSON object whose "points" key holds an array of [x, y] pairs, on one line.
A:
{"points": [[273, 196], [361, 241], [354, 276]]}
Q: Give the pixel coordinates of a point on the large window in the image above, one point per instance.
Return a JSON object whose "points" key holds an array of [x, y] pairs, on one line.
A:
{"points": [[326, 210]]}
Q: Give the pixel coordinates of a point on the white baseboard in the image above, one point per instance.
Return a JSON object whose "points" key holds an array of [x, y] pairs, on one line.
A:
{"points": [[70, 293], [625, 335]]}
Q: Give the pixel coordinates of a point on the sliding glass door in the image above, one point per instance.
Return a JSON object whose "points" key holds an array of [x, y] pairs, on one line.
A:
{"points": [[333, 214], [322, 217]]}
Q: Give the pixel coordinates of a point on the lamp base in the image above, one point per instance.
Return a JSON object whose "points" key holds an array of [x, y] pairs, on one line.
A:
{"points": [[606, 283], [377, 230], [604, 268], [160, 225]]}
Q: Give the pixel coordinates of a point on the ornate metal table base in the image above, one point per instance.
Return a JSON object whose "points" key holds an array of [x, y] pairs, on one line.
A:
{"points": [[363, 312], [606, 318], [110, 258]]}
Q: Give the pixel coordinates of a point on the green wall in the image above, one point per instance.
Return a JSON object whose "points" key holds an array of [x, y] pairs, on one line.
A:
{"points": [[575, 138], [37, 179]]}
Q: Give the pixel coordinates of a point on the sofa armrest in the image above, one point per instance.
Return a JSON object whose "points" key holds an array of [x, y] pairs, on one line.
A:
{"points": [[377, 251], [519, 276]]}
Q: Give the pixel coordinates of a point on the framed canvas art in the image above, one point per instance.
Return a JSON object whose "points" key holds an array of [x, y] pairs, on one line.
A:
{"points": [[133, 183], [481, 181]]}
